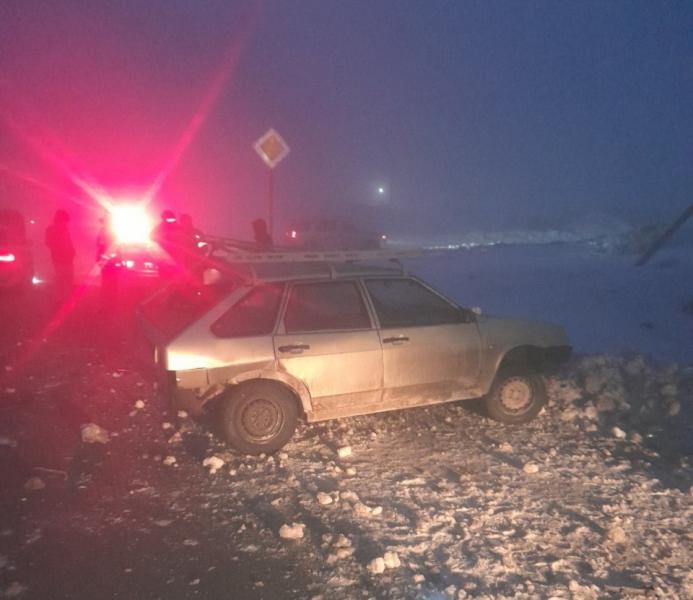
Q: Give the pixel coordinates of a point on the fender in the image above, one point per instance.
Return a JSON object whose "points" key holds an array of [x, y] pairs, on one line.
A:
{"points": [[221, 375]]}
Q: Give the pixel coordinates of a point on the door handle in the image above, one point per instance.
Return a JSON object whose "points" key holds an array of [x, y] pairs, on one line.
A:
{"points": [[396, 340], [294, 348]]}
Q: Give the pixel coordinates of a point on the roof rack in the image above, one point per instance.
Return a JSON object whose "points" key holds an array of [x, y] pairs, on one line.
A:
{"points": [[245, 252]]}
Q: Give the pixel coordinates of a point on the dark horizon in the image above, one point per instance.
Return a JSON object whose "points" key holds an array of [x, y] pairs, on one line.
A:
{"points": [[471, 116]]}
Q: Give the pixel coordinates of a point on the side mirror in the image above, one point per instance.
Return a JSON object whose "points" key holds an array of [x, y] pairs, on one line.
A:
{"points": [[466, 315]]}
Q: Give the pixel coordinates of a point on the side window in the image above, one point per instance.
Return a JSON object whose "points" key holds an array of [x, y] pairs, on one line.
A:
{"points": [[254, 314], [325, 306], [407, 303]]}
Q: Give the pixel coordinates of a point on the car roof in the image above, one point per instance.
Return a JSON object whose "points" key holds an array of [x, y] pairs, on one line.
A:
{"points": [[296, 271]]}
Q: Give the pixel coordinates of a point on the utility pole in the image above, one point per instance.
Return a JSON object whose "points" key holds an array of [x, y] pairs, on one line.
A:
{"points": [[662, 239]]}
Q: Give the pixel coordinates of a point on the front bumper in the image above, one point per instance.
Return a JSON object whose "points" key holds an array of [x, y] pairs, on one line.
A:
{"points": [[554, 357]]}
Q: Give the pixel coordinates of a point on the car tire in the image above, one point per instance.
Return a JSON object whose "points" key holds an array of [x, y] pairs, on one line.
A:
{"points": [[516, 396], [258, 417]]}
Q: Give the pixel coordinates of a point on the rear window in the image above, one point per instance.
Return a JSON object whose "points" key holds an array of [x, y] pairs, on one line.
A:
{"points": [[176, 306], [253, 315]]}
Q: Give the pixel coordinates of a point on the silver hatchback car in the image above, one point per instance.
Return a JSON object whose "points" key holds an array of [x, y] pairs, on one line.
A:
{"points": [[271, 343]]}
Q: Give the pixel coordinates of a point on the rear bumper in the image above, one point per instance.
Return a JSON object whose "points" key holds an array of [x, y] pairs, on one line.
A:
{"points": [[183, 388]]}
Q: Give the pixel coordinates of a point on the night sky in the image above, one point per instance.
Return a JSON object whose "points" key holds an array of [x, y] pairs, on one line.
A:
{"points": [[488, 115]]}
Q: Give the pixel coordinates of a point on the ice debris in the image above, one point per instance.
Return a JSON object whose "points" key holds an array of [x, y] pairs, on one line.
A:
{"points": [[292, 532], [391, 560], [377, 566], [324, 498], [618, 433], [214, 463], [617, 535], [93, 434], [344, 451], [34, 484]]}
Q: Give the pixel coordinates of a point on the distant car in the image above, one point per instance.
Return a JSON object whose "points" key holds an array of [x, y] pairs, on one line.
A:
{"points": [[16, 259], [331, 234], [279, 341]]}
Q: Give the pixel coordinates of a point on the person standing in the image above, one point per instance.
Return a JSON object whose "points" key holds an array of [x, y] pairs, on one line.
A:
{"points": [[59, 242], [263, 240], [105, 239], [171, 238]]}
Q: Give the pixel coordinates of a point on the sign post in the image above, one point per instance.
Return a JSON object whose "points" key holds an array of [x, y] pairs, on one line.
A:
{"points": [[272, 149]]}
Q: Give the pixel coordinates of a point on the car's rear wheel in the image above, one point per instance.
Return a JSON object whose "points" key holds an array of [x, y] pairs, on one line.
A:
{"points": [[516, 396], [258, 416]]}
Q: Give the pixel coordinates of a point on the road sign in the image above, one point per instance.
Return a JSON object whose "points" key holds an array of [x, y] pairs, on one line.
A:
{"points": [[272, 148]]}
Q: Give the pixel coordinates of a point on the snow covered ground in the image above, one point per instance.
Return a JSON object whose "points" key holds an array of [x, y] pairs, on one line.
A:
{"points": [[604, 301], [593, 499]]}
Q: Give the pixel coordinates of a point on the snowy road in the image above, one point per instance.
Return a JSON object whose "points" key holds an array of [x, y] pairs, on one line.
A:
{"points": [[591, 500]]}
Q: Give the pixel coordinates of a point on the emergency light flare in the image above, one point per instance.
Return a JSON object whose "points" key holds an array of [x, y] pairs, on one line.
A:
{"points": [[130, 223], [7, 258]]}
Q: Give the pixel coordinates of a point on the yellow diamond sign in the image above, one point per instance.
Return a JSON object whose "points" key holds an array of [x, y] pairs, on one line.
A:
{"points": [[272, 148]]}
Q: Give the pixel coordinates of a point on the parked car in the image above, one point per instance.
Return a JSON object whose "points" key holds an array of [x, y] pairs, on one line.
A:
{"points": [[135, 262], [331, 234], [320, 341], [16, 259]]}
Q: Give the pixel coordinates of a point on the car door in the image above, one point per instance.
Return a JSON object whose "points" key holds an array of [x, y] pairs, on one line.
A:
{"points": [[328, 341], [431, 348]]}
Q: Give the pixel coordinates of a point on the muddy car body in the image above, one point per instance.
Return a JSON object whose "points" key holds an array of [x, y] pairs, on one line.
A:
{"points": [[324, 341]]}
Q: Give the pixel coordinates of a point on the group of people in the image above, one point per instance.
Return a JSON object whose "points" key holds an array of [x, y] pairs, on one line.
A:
{"points": [[177, 236]]}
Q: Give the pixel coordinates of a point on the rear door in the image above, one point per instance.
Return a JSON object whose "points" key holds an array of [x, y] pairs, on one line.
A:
{"points": [[431, 353], [328, 341]]}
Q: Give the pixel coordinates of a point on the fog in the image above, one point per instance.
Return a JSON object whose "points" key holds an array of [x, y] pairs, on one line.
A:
{"points": [[470, 117]]}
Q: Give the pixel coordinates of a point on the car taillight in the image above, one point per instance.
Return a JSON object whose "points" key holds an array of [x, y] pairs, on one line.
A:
{"points": [[7, 257]]}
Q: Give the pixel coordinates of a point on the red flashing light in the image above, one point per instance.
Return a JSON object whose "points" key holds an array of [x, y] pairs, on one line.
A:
{"points": [[131, 223], [8, 258], [293, 234]]}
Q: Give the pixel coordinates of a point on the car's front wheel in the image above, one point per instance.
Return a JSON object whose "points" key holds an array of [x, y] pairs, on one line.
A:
{"points": [[258, 416], [516, 396]]}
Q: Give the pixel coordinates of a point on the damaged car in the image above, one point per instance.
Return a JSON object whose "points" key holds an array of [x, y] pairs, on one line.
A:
{"points": [[270, 343]]}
